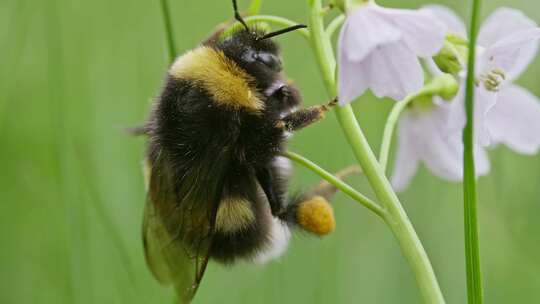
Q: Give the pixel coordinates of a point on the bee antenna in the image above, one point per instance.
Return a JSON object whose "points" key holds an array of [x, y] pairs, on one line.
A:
{"points": [[237, 15], [282, 31]]}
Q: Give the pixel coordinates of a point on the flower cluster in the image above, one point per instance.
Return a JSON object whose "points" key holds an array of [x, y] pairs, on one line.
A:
{"points": [[380, 49]]}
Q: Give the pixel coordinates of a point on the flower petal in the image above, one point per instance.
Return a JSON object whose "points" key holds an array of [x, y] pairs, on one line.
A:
{"points": [[421, 30], [501, 24], [481, 161], [423, 136], [352, 81], [456, 118], [406, 162], [512, 54], [393, 71], [449, 18], [363, 31], [515, 120], [441, 152]]}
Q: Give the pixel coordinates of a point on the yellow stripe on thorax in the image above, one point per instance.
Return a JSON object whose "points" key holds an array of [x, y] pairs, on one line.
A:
{"points": [[227, 83]]}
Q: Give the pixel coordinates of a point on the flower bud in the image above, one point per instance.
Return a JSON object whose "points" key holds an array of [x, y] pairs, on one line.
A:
{"points": [[447, 85], [452, 57]]}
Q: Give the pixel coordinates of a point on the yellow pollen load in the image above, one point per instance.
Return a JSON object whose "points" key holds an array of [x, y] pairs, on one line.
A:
{"points": [[316, 215]]}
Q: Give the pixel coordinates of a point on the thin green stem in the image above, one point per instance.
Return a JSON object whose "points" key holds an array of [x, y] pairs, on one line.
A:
{"points": [[254, 7], [472, 248], [395, 217], [280, 21], [441, 84], [171, 46], [344, 187], [390, 127], [334, 25]]}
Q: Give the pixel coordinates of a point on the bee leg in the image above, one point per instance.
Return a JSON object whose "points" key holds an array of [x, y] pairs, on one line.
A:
{"points": [[327, 190], [268, 181], [305, 117], [312, 211]]}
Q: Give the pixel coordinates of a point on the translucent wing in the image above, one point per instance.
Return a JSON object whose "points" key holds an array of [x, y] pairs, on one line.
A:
{"points": [[177, 228]]}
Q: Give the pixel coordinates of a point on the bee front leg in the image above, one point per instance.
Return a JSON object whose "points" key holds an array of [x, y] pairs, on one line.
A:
{"points": [[305, 117]]}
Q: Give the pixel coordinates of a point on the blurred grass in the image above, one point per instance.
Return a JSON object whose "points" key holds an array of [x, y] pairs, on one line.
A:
{"points": [[74, 73]]}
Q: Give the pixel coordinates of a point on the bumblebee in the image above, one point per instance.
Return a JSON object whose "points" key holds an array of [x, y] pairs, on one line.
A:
{"points": [[217, 185]]}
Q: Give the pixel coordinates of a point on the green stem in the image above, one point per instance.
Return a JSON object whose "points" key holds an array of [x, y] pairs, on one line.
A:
{"points": [[171, 46], [254, 7], [395, 217], [472, 248], [334, 25], [389, 129], [284, 22], [443, 84], [344, 187]]}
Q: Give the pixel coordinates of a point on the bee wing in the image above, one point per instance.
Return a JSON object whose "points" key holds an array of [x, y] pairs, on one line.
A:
{"points": [[177, 231]]}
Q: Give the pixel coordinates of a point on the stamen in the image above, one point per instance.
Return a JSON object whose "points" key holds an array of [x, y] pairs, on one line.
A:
{"points": [[492, 80]]}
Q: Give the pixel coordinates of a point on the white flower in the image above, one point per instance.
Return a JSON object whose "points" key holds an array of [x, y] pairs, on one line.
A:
{"points": [[379, 49], [504, 112], [424, 136]]}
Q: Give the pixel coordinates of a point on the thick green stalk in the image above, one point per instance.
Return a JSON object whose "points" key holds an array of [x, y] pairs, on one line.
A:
{"points": [[345, 188], [472, 248], [395, 217]]}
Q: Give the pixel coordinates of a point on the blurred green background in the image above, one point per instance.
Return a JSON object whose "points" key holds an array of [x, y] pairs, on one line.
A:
{"points": [[74, 74]]}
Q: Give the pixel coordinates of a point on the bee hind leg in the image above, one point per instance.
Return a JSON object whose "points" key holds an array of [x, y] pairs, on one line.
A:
{"points": [[312, 211]]}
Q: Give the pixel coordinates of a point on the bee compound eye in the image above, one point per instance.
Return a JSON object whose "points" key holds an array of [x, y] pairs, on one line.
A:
{"points": [[250, 56], [270, 60]]}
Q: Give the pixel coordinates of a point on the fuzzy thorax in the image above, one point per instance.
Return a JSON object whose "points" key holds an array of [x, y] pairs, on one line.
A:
{"points": [[227, 83]]}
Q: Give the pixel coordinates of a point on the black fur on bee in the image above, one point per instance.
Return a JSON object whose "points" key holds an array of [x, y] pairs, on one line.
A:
{"points": [[217, 185]]}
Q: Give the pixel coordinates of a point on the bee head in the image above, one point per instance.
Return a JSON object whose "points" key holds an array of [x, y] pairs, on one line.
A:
{"points": [[254, 51], [259, 58]]}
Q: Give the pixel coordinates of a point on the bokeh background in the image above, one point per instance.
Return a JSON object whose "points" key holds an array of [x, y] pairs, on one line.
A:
{"points": [[74, 74]]}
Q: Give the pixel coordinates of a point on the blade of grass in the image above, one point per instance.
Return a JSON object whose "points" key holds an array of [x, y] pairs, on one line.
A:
{"points": [[171, 46], [88, 179], [472, 250]]}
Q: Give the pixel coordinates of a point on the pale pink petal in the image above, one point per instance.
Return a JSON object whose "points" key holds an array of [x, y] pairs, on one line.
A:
{"points": [[406, 162], [363, 31], [502, 23], [421, 30], [512, 54], [455, 119], [484, 101], [481, 161], [393, 71], [423, 137], [441, 152], [352, 81], [515, 120], [449, 18]]}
